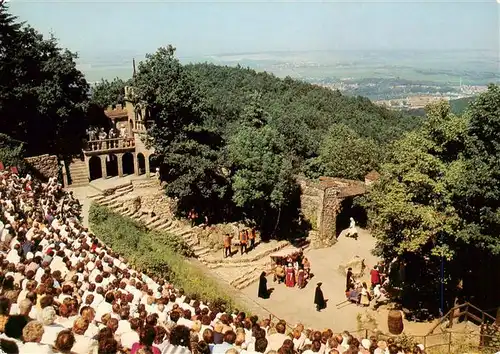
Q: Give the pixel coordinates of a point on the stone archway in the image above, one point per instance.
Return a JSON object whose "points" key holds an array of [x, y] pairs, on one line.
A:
{"points": [[141, 164], [111, 165], [128, 163], [348, 209], [154, 162], [95, 168]]}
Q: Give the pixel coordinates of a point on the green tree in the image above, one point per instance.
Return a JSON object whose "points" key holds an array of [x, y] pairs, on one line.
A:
{"points": [[43, 96], [412, 211], [11, 152], [106, 93], [262, 182], [477, 197], [343, 153], [190, 153]]}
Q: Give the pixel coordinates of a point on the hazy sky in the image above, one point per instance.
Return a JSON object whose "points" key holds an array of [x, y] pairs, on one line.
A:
{"points": [[209, 27]]}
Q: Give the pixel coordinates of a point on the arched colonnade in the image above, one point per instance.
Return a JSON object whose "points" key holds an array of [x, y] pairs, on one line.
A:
{"points": [[120, 164]]}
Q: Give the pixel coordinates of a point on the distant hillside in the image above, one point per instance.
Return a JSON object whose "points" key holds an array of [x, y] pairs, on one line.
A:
{"points": [[459, 105], [302, 111]]}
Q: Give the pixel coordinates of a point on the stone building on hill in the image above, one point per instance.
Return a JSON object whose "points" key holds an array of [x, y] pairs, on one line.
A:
{"points": [[120, 156]]}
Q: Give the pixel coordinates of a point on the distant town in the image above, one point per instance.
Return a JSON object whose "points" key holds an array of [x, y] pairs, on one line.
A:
{"points": [[397, 80], [407, 95]]}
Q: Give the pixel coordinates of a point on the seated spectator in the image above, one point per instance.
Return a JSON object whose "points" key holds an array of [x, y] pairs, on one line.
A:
{"points": [[146, 340], [82, 344], [14, 328], [64, 342], [179, 341], [107, 346], [50, 328], [4, 312], [228, 343], [9, 346], [32, 335]]}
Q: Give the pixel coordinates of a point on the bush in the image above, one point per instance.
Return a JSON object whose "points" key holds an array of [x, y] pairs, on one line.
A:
{"points": [[12, 153], [155, 253]]}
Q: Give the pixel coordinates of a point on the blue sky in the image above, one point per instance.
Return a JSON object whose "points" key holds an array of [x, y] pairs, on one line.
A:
{"points": [[208, 27]]}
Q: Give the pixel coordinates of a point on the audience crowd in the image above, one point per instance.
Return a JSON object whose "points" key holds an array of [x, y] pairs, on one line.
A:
{"points": [[63, 291]]}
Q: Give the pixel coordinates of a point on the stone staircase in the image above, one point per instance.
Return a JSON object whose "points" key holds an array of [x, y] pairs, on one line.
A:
{"points": [[78, 173], [240, 271], [243, 271], [115, 202]]}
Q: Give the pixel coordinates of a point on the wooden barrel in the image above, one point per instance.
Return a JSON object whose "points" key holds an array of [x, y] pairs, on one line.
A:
{"points": [[395, 322]]}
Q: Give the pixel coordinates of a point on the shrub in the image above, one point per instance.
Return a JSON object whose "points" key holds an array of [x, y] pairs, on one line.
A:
{"points": [[12, 152], [156, 253]]}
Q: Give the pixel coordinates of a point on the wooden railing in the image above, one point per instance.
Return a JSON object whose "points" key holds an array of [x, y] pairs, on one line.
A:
{"points": [[110, 144], [469, 312]]}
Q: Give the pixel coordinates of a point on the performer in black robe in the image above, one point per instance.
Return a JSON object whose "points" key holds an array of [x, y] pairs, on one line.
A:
{"points": [[349, 280], [319, 299], [263, 291]]}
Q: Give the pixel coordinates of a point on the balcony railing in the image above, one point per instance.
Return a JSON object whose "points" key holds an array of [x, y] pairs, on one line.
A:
{"points": [[141, 126], [110, 144]]}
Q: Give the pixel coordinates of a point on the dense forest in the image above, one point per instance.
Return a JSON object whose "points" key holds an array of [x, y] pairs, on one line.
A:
{"points": [[236, 138], [232, 140]]}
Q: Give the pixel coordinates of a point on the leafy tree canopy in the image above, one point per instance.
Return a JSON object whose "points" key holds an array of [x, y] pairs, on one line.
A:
{"points": [[106, 93], [437, 203], [43, 96], [11, 152], [262, 182], [190, 152], [343, 153]]}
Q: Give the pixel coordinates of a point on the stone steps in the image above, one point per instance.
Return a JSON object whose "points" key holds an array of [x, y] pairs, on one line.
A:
{"points": [[121, 210], [165, 225], [257, 255], [157, 223], [78, 173], [247, 279], [150, 183], [112, 199], [128, 213], [152, 221], [200, 251], [79, 184], [226, 265]]}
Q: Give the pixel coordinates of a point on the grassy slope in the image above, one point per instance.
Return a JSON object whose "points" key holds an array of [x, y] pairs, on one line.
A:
{"points": [[155, 253]]}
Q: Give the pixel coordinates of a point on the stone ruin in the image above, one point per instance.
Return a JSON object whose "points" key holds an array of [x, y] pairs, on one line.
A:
{"points": [[321, 202]]}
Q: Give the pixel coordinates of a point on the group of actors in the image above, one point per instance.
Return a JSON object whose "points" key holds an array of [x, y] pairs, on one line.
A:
{"points": [[319, 298], [295, 270], [246, 242], [360, 294]]}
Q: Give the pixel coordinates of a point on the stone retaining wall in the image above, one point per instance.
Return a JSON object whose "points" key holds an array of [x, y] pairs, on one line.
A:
{"points": [[43, 166]]}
